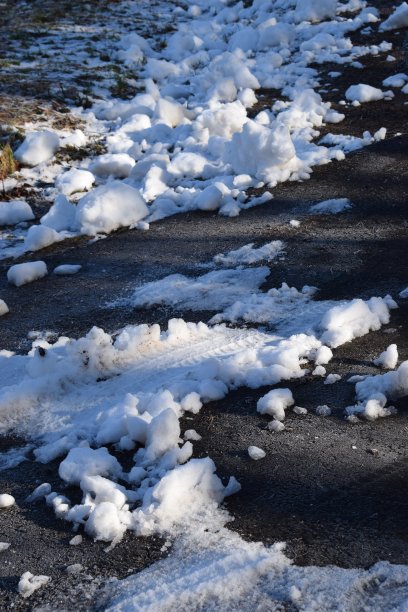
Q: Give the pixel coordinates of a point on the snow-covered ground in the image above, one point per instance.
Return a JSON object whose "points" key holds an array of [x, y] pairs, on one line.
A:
{"points": [[193, 138]]}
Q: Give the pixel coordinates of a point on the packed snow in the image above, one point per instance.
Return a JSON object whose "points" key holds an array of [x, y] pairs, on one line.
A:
{"points": [[249, 255], [332, 207], [21, 274]]}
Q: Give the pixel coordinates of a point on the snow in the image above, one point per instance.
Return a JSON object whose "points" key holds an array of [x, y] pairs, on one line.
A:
{"points": [[4, 546], [67, 269], [398, 19], [396, 80], [23, 273], [37, 148], [315, 10], [39, 237], [333, 207], [256, 453], [74, 180], [247, 254], [109, 207], [366, 93], [323, 410], [60, 216], [118, 165], [6, 500], [332, 378], [275, 403], [4, 309], [344, 323], [76, 540], [404, 293], [29, 583], [388, 359], [15, 211]]}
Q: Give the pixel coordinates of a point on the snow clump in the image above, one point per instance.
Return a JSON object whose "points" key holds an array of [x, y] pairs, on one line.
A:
{"points": [[388, 359], [75, 180], [333, 207], [4, 309], [275, 403], [29, 583], [6, 500], [39, 237], [38, 147], [67, 269], [247, 254], [21, 274], [366, 93], [256, 453], [398, 19], [61, 215], [14, 212], [109, 207]]}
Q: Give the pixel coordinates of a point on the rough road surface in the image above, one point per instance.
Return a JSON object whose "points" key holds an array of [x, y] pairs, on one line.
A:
{"points": [[336, 492]]}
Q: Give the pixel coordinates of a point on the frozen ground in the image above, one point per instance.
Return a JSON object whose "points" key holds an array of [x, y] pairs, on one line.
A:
{"points": [[331, 487]]}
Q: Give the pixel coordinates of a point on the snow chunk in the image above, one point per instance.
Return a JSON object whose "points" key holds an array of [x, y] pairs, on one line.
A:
{"points": [[404, 293], [60, 216], [323, 410], [315, 10], [275, 403], [76, 540], [6, 500], [41, 491], [398, 19], [67, 269], [396, 80], [388, 358], [366, 93], [109, 207], [333, 207], [75, 180], [191, 434], [267, 153], [275, 426], [354, 319], [118, 165], [29, 583], [319, 371], [81, 462], [4, 309], [38, 147], [39, 237], [256, 453], [323, 355], [332, 378], [14, 212], [20, 274], [4, 546], [104, 523], [249, 255]]}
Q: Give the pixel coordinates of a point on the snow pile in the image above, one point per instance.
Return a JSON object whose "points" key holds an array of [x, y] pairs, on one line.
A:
{"points": [[6, 500], [38, 147], [398, 19], [74, 180], [256, 453], [366, 93], [388, 359], [354, 319], [20, 274], [332, 207], [39, 237], [4, 309], [109, 207], [29, 583], [247, 254], [14, 212]]}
